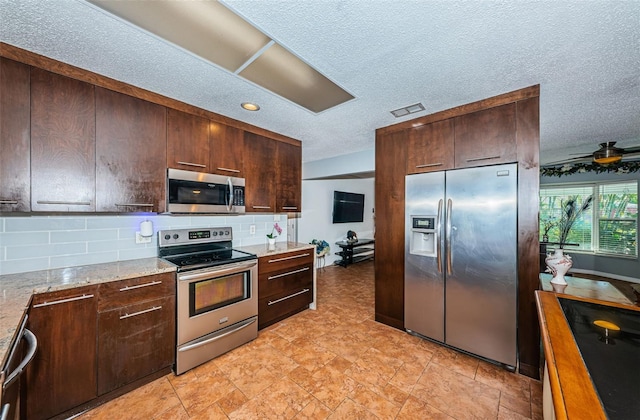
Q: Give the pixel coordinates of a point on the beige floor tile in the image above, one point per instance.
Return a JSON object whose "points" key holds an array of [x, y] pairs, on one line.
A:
{"points": [[497, 377], [375, 403], [176, 413], [197, 395], [415, 409], [456, 361], [518, 405], [455, 394], [350, 410], [315, 410]]}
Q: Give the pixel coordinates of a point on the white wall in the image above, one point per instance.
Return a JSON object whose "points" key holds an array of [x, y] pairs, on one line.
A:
{"points": [[351, 163], [30, 243], [317, 207]]}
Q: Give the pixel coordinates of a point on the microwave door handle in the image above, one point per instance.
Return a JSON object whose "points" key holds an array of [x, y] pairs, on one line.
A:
{"points": [[230, 204]]}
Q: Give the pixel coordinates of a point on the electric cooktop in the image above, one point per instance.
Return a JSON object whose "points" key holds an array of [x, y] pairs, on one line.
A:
{"points": [[608, 338]]}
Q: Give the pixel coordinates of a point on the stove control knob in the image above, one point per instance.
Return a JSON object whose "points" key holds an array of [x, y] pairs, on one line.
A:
{"points": [[226, 232], [214, 233], [221, 233], [167, 237], [176, 236]]}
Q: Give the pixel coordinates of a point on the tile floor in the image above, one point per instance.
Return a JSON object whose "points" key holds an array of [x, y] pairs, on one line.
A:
{"points": [[335, 363]]}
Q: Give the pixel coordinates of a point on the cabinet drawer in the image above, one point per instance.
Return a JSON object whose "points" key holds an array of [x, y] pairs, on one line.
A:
{"points": [[282, 281], [135, 341], [121, 293], [285, 260], [274, 308]]}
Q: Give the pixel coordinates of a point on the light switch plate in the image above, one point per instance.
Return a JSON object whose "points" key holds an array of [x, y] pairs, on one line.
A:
{"points": [[252, 229]]}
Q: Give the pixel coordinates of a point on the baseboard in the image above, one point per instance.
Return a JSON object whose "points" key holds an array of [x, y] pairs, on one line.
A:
{"points": [[529, 370], [392, 322]]}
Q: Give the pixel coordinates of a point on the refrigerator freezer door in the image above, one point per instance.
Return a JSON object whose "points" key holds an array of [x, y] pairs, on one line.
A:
{"points": [[424, 277], [481, 311]]}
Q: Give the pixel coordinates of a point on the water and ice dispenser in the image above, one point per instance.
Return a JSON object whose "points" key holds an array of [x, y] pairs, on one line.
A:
{"points": [[423, 236]]}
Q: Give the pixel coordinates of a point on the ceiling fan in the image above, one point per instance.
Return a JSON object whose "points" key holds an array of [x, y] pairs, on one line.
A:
{"points": [[607, 153]]}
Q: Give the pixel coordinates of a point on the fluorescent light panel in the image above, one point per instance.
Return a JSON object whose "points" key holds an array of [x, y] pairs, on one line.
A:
{"points": [[213, 32]]}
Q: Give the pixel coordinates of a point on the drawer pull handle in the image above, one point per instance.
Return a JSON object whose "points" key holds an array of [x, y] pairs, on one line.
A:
{"points": [[272, 302], [261, 207], [153, 283], [155, 308], [290, 208], [69, 203], [134, 205], [306, 254], [228, 170], [429, 165], [288, 273], [483, 158], [55, 302], [199, 165], [8, 202]]}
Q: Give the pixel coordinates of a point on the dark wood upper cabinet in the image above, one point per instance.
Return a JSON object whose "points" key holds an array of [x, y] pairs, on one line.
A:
{"points": [[15, 169], [62, 375], [289, 178], [187, 142], [130, 153], [486, 137], [260, 173], [226, 145], [431, 147], [62, 143]]}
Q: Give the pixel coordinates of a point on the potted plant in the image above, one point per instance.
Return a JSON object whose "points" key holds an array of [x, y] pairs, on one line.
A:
{"points": [[559, 263]]}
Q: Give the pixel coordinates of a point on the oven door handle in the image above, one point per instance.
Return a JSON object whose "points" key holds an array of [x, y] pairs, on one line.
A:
{"points": [[243, 325], [215, 272]]}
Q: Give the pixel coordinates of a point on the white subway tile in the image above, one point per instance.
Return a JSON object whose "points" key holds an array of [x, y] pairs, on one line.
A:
{"points": [[19, 252], [35, 224], [24, 238], [84, 259], [22, 266], [84, 235]]}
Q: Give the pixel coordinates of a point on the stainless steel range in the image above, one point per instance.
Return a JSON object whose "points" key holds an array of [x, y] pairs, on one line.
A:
{"points": [[217, 296]]}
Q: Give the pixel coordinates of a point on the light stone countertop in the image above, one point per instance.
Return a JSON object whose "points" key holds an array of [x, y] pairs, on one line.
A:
{"points": [[17, 289], [280, 247]]}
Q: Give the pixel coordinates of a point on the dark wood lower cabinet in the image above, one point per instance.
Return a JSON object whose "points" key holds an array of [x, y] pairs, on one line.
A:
{"points": [[285, 285], [97, 342], [62, 374], [133, 342]]}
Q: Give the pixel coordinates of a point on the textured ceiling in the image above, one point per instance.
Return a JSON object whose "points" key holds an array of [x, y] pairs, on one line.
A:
{"points": [[584, 54]]}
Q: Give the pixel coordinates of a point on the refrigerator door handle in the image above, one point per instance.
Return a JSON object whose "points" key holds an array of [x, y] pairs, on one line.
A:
{"points": [[438, 236], [447, 237]]}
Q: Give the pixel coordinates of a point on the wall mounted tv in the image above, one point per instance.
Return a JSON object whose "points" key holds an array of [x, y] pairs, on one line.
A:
{"points": [[348, 207]]}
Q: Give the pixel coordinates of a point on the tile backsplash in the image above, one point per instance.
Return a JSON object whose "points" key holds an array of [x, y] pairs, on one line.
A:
{"points": [[30, 243]]}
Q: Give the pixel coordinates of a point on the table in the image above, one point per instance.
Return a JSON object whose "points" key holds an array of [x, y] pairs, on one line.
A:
{"points": [[353, 252]]}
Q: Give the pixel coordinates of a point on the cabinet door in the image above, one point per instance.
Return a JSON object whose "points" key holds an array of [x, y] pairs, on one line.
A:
{"points": [[130, 153], [62, 374], [63, 143], [135, 341], [430, 147], [289, 178], [187, 141], [227, 150], [260, 173], [486, 137], [14, 136]]}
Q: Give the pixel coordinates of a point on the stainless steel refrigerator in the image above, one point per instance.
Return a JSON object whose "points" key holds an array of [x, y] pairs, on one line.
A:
{"points": [[461, 259]]}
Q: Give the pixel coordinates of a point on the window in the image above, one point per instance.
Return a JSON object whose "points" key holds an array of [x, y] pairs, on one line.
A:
{"points": [[609, 226]]}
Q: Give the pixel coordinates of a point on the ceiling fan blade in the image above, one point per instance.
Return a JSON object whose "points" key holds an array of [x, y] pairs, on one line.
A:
{"points": [[631, 150], [586, 158]]}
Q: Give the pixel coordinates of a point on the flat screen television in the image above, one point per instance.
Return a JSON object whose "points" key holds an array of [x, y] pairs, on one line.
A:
{"points": [[348, 207]]}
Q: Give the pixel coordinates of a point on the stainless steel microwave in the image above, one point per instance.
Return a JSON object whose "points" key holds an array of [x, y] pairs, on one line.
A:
{"points": [[197, 192]]}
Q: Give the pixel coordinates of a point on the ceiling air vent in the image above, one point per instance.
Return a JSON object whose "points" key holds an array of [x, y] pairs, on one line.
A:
{"points": [[411, 109]]}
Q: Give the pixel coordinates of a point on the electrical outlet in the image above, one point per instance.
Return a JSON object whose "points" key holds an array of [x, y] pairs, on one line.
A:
{"points": [[252, 229], [141, 239]]}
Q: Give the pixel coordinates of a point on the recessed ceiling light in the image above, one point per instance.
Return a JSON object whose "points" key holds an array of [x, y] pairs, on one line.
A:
{"points": [[401, 112], [250, 106]]}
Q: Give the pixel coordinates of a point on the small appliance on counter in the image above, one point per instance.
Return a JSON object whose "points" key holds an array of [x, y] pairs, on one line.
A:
{"points": [[217, 293]]}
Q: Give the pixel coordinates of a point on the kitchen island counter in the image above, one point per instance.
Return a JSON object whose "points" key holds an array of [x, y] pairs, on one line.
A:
{"points": [[569, 390], [17, 289]]}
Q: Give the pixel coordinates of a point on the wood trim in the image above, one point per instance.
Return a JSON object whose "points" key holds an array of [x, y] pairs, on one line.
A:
{"points": [[54, 66], [573, 393], [528, 152], [503, 99]]}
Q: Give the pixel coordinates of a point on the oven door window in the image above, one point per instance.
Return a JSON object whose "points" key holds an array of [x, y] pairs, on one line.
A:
{"points": [[210, 294], [190, 192]]}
